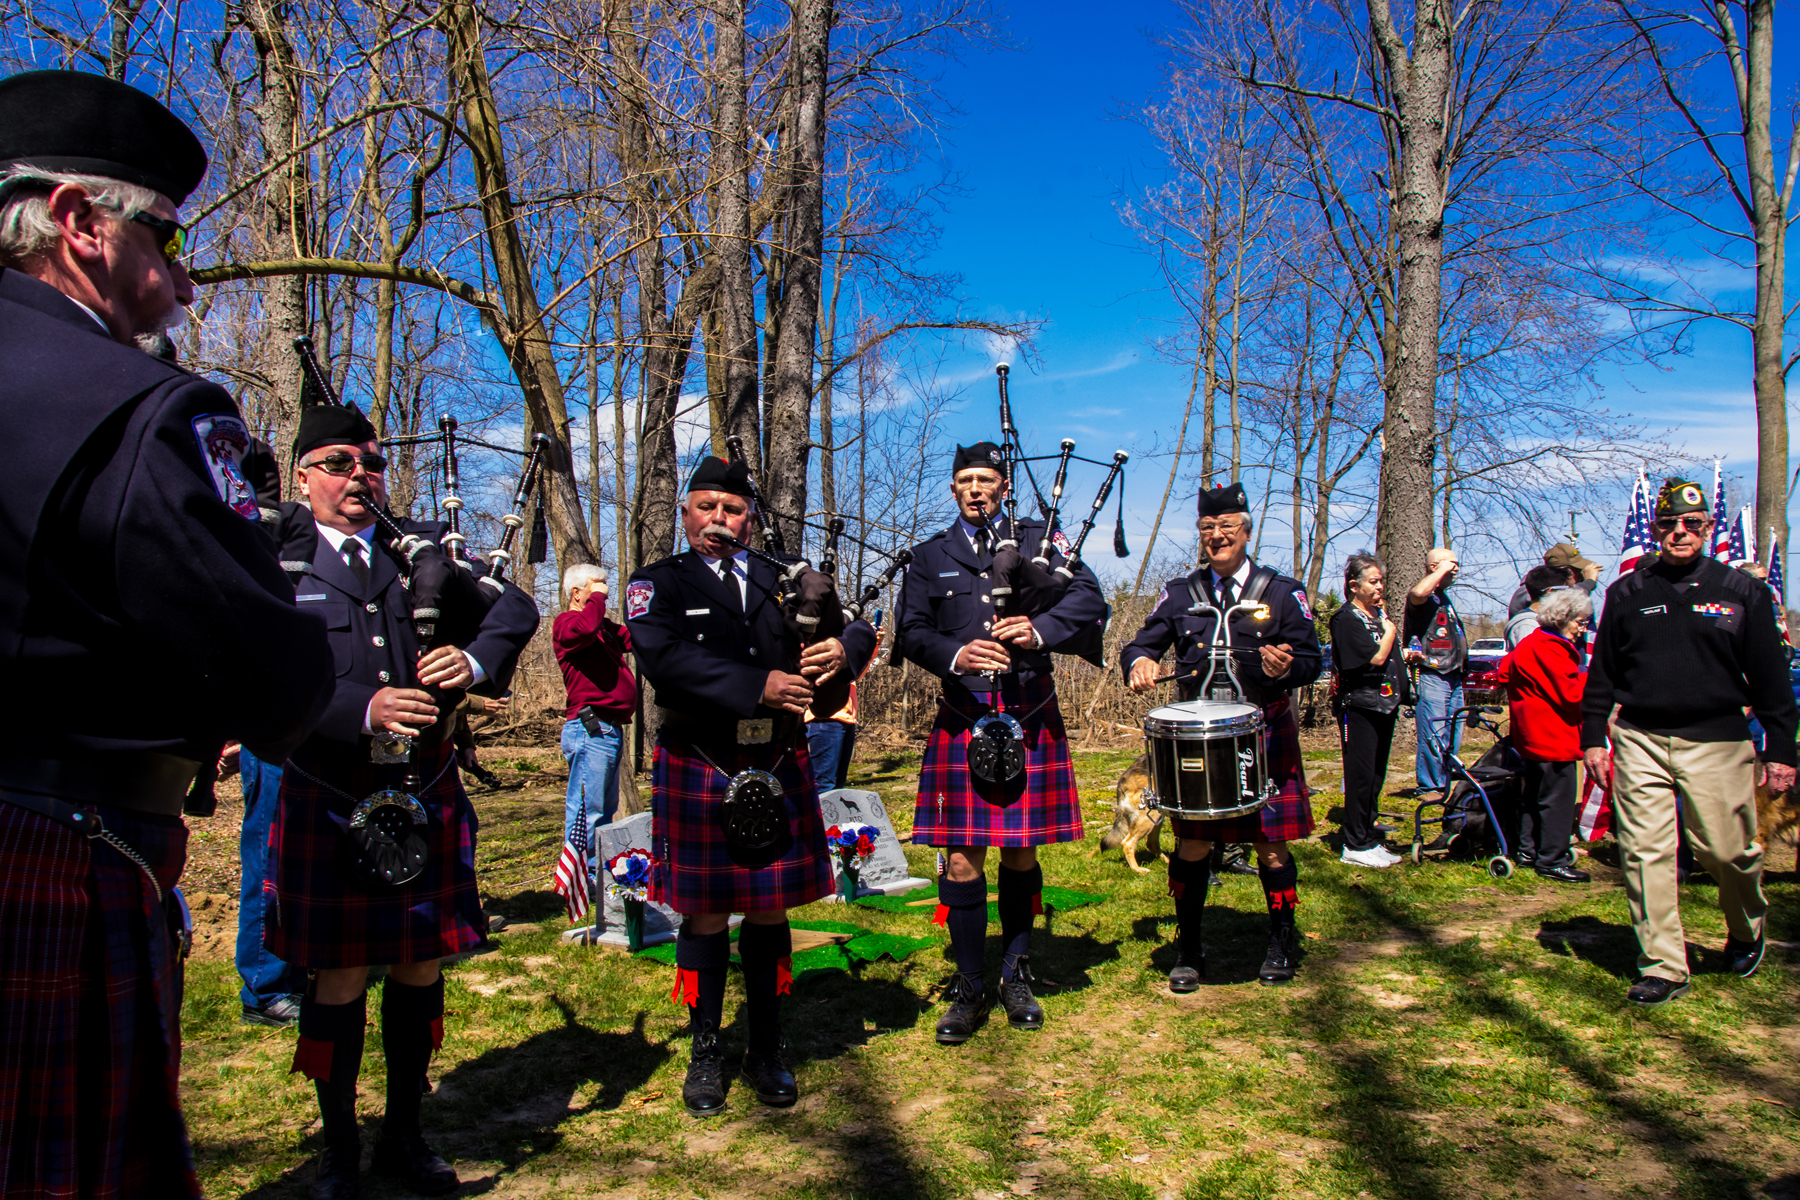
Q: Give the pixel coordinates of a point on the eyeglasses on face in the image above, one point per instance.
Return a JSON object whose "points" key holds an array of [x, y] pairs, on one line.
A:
{"points": [[173, 234], [1208, 528], [1692, 522], [342, 463]]}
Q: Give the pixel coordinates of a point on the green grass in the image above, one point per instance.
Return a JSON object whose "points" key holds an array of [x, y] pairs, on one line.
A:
{"points": [[1450, 1035]]}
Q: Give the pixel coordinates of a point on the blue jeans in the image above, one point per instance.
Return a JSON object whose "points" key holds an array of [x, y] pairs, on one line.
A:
{"points": [[593, 780], [1439, 696], [829, 745], [266, 978]]}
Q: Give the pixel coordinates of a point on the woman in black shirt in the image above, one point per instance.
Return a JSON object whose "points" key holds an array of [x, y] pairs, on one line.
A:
{"points": [[1369, 679]]}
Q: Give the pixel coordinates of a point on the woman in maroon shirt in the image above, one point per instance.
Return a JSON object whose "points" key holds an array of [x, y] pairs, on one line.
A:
{"points": [[603, 692], [1544, 684]]}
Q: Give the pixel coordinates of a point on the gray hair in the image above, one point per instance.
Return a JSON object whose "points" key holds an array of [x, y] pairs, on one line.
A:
{"points": [[26, 230], [580, 575], [1563, 605]]}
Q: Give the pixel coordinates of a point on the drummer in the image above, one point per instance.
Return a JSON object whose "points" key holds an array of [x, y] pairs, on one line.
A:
{"points": [[1277, 653]]}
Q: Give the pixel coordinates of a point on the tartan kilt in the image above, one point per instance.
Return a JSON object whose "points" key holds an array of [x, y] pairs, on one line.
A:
{"points": [[696, 871], [90, 1004], [1041, 806], [323, 915], [1286, 818]]}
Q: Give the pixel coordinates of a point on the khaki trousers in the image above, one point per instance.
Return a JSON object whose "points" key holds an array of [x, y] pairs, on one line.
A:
{"points": [[1717, 783]]}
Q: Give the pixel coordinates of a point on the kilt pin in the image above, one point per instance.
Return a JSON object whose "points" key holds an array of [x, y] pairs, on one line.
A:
{"points": [[322, 914], [697, 871], [1038, 808], [1287, 817], [90, 1058]]}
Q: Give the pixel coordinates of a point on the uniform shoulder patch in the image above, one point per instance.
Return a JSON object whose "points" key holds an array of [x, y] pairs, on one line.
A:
{"points": [[224, 441], [1300, 599], [638, 594], [1162, 598], [1061, 541]]}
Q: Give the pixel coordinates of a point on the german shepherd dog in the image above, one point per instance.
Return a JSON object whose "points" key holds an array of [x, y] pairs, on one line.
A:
{"points": [[1133, 818]]}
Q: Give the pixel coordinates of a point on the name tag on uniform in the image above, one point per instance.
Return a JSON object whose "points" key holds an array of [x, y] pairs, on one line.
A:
{"points": [[1649, 612], [948, 574], [757, 732], [312, 596], [698, 612]]}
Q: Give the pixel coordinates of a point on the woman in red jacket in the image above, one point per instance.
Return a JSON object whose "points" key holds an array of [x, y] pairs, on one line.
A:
{"points": [[1544, 682]]}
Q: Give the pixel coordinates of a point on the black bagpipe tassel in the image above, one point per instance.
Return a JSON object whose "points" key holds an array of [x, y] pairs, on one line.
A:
{"points": [[539, 550], [1120, 549]]}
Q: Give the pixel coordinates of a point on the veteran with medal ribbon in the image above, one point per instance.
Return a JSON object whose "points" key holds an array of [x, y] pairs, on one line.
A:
{"points": [[736, 826], [1281, 653]]}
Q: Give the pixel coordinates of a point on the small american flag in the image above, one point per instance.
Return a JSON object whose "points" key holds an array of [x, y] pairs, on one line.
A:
{"points": [[572, 868], [1775, 584], [1637, 542], [1721, 516], [1743, 536]]}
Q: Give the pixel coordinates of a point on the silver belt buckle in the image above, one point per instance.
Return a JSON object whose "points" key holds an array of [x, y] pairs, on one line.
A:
{"points": [[757, 732]]}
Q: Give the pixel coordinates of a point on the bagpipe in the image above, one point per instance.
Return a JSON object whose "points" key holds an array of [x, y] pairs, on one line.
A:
{"points": [[1033, 586], [807, 596]]}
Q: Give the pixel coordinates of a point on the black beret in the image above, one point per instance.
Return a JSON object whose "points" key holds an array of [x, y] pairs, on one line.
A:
{"points": [[981, 454], [716, 475], [1226, 498], [1680, 496], [331, 425], [84, 124]]}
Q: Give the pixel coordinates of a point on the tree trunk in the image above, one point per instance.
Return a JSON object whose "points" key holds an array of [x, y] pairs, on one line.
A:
{"points": [[525, 336], [790, 404], [1420, 84], [1769, 196], [736, 307]]}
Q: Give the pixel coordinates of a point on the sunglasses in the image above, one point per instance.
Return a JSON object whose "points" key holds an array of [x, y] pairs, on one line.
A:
{"points": [[1693, 523], [345, 464], [173, 234]]}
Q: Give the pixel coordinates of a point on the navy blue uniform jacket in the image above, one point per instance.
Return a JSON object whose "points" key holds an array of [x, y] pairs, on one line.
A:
{"points": [[708, 654], [1290, 621], [948, 602], [374, 644], [141, 607]]}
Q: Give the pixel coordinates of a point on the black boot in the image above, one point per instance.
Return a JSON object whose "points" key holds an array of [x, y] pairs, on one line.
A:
{"points": [[765, 952], [1283, 958], [967, 1007], [1022, 1009], [1280, 887], [329, 1052], [1187, 884], [1019, 904], [412, 1022], [704, 1089]]}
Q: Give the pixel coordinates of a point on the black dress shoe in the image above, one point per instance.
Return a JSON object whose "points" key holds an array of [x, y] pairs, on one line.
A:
{"points": [[963, 1018], [1282, 960], [1188, 973], [1653, 990], [336, 1177], [407, 1158], [1022, 1009], [1564, 874], [279, 1012], [769, 1077], [1742, 958], [1525, 860], [704, 1089], [1237, 860]]}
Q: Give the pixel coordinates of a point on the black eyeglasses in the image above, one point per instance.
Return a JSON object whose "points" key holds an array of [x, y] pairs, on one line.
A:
{"points": [[1693, 523], [341, 463], [173, 234]]}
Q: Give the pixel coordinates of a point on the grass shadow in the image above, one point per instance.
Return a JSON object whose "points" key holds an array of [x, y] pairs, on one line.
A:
{"points": [[1607, 945]]}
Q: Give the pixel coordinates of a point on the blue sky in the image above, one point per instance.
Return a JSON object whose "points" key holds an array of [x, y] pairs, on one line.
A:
{"points": [[1042, 151]]}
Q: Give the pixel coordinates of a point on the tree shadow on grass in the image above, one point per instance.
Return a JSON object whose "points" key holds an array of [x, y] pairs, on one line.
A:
{"points": [[1378, 1096], [1611, 947], [1235, 940]]}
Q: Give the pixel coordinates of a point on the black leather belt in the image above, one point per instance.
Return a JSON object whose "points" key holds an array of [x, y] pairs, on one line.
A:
{"points": [[779, 730], [141, 781]]}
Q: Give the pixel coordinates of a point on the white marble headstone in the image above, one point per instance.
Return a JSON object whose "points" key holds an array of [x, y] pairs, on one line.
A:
{"points": [[660, 921], [883, 873]]}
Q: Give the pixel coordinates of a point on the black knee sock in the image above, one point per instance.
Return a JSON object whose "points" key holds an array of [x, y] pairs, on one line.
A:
{"points": [[412, 1028], [1020, 901], [965, 904], [1279, 884], [765, 952], [1187, 884], [700, 962], [330, 1054]]}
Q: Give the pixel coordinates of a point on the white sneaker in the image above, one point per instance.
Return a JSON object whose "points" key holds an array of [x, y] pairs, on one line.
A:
{"points": [[1391, 856], [1374, 857]]}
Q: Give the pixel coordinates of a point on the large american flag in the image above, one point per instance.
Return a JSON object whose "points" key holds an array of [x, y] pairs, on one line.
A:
{"points": [[1637, 541], [572, 868], [1721, 516]]}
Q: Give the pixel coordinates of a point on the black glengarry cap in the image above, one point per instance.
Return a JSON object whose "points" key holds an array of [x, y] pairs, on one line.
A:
{"points": [[981, 454], [716, 475], [1226, 498], [71, 121]]}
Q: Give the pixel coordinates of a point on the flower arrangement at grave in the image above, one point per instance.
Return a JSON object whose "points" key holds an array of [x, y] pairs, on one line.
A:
{"points": [[630, 871], [851, 845]]}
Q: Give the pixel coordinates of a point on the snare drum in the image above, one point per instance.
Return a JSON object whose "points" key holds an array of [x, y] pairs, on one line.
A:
{"points": [[1207, 759]]}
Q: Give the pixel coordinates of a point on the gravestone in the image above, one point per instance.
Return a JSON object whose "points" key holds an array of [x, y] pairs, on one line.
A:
{"points": [[883, 873], [660, 921]]}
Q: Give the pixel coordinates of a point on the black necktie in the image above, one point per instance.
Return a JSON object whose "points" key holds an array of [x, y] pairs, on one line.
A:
{"points": [[1225, 597], [728, 573], [981, 542], [359, 566]]}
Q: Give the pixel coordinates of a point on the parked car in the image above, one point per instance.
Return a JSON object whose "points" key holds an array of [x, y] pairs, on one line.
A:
{"points": [[1484, 655]]}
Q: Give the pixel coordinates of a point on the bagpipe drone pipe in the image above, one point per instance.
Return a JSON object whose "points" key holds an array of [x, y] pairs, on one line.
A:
{"points": [[1033, 586]]}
